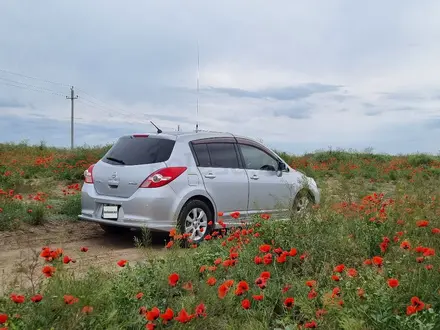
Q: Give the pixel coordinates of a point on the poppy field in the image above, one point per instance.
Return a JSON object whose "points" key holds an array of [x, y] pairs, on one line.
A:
{"points": [[366, 258]]}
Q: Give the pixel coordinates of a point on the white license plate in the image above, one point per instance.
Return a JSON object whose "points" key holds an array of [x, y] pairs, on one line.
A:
{"points": [[110, 212]]}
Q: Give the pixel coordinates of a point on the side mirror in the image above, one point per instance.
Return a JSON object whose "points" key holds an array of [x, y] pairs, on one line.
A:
{"points": [[281, 168]]}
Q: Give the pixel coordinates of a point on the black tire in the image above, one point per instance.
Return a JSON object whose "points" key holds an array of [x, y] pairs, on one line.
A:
{"points": [[114, 230], [302, 203], [185, 212]]}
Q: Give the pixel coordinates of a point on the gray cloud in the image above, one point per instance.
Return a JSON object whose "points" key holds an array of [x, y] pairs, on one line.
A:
{"points": [[282, 94], [298, 111]]}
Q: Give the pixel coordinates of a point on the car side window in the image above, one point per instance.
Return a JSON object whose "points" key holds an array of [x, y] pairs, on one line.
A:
{"points": [[223, 155], [202, 154], [257, 159]]}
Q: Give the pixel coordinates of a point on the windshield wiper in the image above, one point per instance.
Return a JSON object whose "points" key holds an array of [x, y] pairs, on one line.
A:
{"points": [[116, 160]]}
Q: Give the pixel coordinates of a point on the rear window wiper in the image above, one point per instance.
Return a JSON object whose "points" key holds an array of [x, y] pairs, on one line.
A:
{"points": [[116, 160]]}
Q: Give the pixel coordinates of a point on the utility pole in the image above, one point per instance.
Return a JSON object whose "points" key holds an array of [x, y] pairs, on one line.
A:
{"points": [[72, 98]]}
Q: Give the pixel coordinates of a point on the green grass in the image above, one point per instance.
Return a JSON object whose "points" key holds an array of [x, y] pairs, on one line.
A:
{"points": [[353, 224]]}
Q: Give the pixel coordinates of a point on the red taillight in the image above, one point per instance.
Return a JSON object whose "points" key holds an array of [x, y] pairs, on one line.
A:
{"points": [[88, 174], [140, 135], [162, 177]]}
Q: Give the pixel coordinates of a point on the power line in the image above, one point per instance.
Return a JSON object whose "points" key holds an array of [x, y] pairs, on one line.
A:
{"points": [[31, 89], [29, 85], [30, 77]]}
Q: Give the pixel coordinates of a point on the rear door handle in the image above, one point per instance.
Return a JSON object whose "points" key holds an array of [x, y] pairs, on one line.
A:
{"points": [[209, 176], [254, 177]]}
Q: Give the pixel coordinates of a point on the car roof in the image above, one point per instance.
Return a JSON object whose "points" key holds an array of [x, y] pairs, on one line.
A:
{"points": [[190, 136]]}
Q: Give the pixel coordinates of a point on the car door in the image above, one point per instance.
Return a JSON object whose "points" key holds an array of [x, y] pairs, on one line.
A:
{"points": [[224, 178], [268, 192]]}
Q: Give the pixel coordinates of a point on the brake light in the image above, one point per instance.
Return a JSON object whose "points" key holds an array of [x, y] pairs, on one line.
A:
{"points": [[162, 177], [88, 174], [140, 135]]}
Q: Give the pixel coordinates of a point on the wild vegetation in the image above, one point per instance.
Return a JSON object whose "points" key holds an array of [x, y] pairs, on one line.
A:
{"points": [[365, 258]]}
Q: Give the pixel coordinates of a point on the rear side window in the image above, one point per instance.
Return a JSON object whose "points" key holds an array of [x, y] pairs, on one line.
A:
{"points": [[223, 155], [139, 151], [202, 154]]}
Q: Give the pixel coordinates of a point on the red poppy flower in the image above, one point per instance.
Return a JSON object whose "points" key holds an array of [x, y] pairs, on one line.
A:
{"points": [[70, 300], [3, 318], [351, 272], [336, 278], [378, 261], [211, 281], [435, 230], [143, 310], [173, 279], [265, 275], [289, 302], [153, 314], [417, 303], [169, 245], [339, 268], [37, 298], [183, 317], [281, 259], [267, 259], [246, 304], [265, 216], [429, 267], [242, 287], [336, 292], [139, 295], [18, 299], [422, 223], [235, 215], [87, 309], [84, 249], [410, 310], [258, 260], [265, 248], [258, 297], [122, 263], [261, 282], [405, 245], [201, 310], [150, 326], [312, 294], [360, 292], [48, 271], [293, 252], [220, 214], [393, 283], [429, 252], [167, 316], [66, 260], [222, 291], [310, 325], [311, 284]]}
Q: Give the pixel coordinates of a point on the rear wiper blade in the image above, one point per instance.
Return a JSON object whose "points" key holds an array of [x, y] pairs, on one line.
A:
{"points": [[116, 160]]}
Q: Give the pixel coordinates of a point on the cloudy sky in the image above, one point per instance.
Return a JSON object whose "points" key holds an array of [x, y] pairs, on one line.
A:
{"points": [[300, 75]]}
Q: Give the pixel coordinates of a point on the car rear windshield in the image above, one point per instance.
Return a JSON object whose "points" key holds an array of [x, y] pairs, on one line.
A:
{"points": [[139, 151]]}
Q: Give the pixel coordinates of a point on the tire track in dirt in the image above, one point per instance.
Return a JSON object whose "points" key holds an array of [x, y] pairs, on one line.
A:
{"points": [[19, 250]]}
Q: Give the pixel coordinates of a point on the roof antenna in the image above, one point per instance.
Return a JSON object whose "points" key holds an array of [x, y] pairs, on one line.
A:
{"points": [[198, 64], [158, 129]]}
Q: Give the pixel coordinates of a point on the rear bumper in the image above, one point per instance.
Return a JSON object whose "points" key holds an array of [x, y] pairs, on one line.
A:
{"points": [[146, 208], [165, 226]]}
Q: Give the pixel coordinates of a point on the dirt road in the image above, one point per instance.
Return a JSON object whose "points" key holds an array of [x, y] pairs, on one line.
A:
{"points": [[18, 249]]}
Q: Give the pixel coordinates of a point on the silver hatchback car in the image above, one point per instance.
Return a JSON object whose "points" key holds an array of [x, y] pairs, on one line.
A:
{"points": [[183, 180]]}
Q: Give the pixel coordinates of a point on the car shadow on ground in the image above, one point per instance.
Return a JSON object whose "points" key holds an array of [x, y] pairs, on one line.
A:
{"points": [[133, 238]]}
